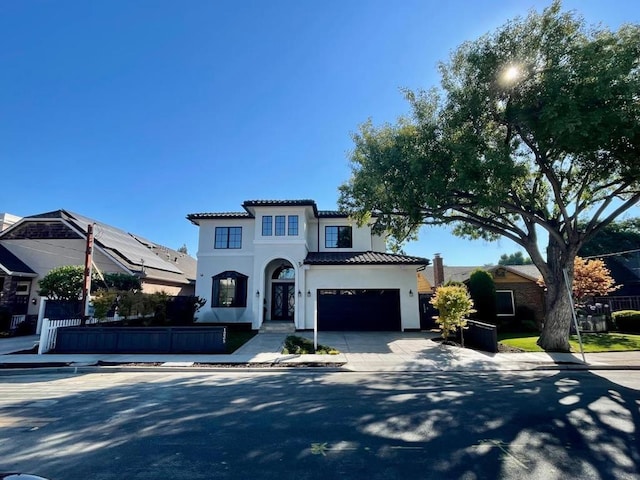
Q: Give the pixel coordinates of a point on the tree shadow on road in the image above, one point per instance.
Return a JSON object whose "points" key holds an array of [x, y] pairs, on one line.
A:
{"points": [[304, 424]]}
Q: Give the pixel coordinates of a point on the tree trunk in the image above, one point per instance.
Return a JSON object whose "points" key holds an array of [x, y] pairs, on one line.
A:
{"points": [[555, 333]]}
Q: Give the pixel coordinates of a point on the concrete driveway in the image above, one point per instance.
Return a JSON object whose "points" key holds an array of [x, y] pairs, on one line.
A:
{"points": [[17, 344]]}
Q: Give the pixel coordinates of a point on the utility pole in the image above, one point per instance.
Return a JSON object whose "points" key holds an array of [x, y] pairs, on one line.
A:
{"points": [[86, 286]]}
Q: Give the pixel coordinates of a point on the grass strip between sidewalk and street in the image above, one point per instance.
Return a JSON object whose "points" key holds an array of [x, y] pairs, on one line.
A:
{"points": [[593, 342]]}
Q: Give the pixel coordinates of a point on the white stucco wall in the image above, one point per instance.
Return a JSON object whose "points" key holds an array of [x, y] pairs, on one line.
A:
{"points": [[374, 277], [212, 261]]}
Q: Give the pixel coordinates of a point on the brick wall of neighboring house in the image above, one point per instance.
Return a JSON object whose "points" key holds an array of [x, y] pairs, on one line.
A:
{"points": [[527, 294]]}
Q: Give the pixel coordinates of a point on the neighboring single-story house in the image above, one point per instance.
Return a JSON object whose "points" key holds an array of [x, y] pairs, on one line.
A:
{"points": [[15, 282], [32, 246], [285, 260], [516, 285], [625, 270]]}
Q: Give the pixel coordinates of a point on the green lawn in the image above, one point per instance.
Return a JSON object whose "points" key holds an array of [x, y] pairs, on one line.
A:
{"points": [[235, 339], [593, 342]]}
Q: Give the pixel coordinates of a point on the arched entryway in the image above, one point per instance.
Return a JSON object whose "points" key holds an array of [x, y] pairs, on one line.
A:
{"points": [[281, 276]]}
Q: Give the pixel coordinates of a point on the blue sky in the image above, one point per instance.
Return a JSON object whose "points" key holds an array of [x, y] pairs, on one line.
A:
{"points": [[137, 113]]}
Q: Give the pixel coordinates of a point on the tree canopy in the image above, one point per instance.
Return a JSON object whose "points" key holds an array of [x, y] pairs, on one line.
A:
{"points": [[63, 283], [118, 282], [617, 237], [536, 127], [591, 278], [517, 258]]}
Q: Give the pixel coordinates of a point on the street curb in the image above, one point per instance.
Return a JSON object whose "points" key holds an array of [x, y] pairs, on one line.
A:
{"points": [[214, 368], [289, 367]]}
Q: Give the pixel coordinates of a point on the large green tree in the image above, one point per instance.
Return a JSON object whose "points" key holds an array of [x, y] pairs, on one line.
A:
{"points": [[536, 127], [517, 258], [617, 237]]}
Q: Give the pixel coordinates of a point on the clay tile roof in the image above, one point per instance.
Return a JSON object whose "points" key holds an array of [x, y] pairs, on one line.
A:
{"points": [[194, 217], [332, 214], [362, 258], [278, 203]]}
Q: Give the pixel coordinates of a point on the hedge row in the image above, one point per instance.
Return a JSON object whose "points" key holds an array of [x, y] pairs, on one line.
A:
{"points": [[627, 320]]}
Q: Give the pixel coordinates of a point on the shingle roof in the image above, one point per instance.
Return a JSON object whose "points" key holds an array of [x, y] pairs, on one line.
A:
{"points": [[530, 271], [132, 251], [11, 264], [362, 258], [462, 274]]}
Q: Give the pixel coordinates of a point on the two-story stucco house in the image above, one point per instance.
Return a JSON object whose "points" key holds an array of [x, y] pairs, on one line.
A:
{"points": [[285, 260]]}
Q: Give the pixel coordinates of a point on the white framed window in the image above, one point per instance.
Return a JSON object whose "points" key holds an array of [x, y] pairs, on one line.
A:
{"points": [[23, 288], [505, 306]]}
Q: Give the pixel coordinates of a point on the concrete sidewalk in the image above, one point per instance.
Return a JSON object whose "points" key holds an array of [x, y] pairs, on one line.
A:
{"points": [[359, 351]]}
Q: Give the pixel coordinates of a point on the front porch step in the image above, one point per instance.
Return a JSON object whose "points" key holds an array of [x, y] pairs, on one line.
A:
{"points": [[272, 326]]}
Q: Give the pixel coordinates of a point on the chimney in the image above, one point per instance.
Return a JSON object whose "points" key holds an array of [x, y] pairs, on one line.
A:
{"points": [[438, 271]]}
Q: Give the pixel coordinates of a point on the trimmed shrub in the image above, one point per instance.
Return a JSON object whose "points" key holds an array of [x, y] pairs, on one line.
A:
{"points": [[482, 289], [627, 321], [294, 345]]}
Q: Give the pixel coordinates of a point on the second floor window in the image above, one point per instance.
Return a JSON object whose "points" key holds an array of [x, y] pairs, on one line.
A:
{"points": [[228, 237], [280, 224], [267, 226], [292, 229], [337, 237]]}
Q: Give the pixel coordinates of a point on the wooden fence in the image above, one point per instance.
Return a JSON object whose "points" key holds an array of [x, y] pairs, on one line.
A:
{"points": [[96, 339], [15, 321]]}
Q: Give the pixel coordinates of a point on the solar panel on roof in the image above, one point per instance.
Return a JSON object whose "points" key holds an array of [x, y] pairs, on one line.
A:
{"points": [[126, 245]]}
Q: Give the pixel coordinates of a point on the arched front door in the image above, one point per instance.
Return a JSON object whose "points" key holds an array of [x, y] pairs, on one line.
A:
{"points": [[283, 298]]}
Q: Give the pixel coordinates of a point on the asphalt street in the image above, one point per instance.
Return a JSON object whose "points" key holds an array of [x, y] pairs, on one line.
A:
{"points": [[314, 424]]}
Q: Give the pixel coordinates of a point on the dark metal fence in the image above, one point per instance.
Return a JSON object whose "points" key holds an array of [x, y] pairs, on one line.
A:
{"points": [[482, 336], [141, 340], [615, 304]]}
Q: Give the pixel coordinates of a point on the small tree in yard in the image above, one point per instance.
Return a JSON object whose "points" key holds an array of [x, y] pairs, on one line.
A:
{"points": [[454, 304], [63, 283], [103, 302], [591, 278]]}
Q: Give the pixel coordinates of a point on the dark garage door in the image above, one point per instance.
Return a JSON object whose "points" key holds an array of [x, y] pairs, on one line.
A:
{"points": [[359, 310]]}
